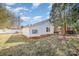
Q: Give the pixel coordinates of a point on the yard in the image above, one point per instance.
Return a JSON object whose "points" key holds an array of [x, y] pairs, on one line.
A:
{"points": [[4, 37], [3, 41], [18, 45]]}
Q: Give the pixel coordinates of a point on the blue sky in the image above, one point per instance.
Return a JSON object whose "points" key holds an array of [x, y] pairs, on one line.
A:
{"points": [[30, 13]]}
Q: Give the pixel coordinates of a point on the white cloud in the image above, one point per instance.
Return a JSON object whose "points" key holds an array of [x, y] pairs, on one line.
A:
{"points": [[24, 18], [37, 17], [8, 7], [10, 3], [22, 13], [50, 5], [48, 13], [48, 17], [35, 5], [20, 9]]}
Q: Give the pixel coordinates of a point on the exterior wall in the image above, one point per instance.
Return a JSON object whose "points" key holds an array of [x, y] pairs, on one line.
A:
{"points": [[41, 27], [25, 31]]}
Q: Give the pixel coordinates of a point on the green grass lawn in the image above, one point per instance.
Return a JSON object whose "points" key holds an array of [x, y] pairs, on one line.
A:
{"points": [[4, 37], [16, 38], [10, 40], [8, 45]]}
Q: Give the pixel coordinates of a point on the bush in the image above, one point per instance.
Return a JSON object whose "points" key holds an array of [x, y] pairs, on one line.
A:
{"points": [[48, 46]]}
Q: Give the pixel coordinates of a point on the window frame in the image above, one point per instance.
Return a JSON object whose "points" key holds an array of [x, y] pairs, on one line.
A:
{"points": [[34, 31], [47, 29]]}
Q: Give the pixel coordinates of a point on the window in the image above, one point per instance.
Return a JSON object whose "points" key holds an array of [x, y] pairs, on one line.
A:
{"points": [[34, 31], [47, 29]]}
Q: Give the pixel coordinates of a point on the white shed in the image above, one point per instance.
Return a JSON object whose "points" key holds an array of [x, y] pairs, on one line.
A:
{"points": [[37, 29]]}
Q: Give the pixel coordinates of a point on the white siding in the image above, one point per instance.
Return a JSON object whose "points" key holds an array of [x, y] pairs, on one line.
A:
{"points": [[25, 31], [32, 28], [41, 27]]}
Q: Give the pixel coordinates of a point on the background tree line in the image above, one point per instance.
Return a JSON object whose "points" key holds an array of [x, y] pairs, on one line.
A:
{"points": [[7, 18], [64, 15]]}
